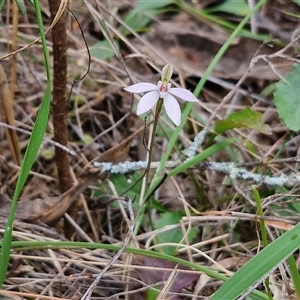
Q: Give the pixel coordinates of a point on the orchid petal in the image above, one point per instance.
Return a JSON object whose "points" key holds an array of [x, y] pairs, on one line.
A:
{"points": [[147, 102], [166, 73], [183, 94], [141, 87], [172, 109]]}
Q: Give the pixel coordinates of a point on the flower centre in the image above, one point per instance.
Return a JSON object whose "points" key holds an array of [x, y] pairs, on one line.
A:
{"points": [[163, 88]]}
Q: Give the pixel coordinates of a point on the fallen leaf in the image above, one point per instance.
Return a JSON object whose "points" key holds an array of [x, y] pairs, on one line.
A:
{"points": [[50, 209], [246, 118], [162, 270]]}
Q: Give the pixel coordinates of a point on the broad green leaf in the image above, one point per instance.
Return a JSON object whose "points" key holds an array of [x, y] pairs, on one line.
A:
{"points": [[246, 118], [144, 5], [287, 99], [103, 50], [138, 20], [143, 13], [174, 235], [123, 183], [260, 265], [239, 8]]}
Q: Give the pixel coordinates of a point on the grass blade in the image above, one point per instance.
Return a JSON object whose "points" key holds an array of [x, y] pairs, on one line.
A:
{"points": [[30, 154], [259, 266]]}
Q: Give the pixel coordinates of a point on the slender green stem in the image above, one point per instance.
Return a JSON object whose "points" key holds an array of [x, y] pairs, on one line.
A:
{"points": [[260, 213], [156, 116], [142, 207], [262, 230]]}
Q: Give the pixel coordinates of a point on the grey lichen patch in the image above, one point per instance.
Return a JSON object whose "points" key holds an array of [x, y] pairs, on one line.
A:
{"points": [[120, 168]]}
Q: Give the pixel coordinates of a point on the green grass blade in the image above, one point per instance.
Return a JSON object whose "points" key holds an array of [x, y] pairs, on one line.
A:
{"points": [[260, 265], [263, 229], [200, 157], [260, 213], [295, 275], [21, 6], [2, 2], [30, 154]]}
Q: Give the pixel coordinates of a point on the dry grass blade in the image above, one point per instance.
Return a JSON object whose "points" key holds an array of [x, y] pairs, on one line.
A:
{"points": [[114, 259], [7, 114]]}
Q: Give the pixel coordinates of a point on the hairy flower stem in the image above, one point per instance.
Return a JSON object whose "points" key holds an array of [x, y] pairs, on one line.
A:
{"points": [[142, 207], [156, 116]]}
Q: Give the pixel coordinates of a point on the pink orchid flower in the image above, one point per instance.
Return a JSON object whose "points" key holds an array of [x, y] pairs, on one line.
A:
{"points": [[164, 91]]}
